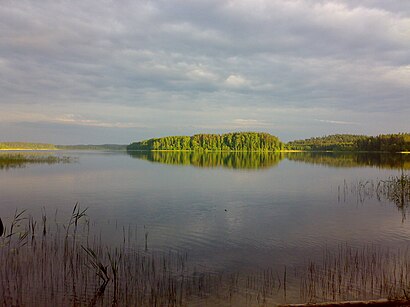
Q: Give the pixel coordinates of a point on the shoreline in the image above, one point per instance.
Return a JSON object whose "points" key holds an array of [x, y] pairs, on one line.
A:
{"points": [[216, 151], [267, 151], [379, 302], [27, 149]]}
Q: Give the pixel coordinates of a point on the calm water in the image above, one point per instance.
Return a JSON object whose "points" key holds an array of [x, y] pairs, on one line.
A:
{"points": [[229, 212]]}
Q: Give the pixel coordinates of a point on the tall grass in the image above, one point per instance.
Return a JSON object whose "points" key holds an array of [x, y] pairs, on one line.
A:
{"points": [[43, 263], [395, 189], [357, 274], [49, 263]]}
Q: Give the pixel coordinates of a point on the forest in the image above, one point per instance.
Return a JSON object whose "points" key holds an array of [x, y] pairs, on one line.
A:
{"points": [[385, 142], [238, 141], [399, 142]]}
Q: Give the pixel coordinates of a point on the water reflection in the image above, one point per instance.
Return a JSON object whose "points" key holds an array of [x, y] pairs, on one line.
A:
{"points": [[395, 189], [380, 160], [226, 220], [236, 160], [261, 160]]}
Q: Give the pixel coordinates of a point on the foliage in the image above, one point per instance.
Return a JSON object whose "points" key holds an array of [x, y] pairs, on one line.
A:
{"points": [[336, 142], [349, 142], [386, 142], [239, 141]]}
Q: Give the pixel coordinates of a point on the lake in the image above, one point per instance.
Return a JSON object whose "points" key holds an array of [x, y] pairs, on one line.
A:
{"points": [[229, 212]]}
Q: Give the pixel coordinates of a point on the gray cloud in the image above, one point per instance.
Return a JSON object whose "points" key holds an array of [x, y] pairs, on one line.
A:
{"points": [[162, 67]]}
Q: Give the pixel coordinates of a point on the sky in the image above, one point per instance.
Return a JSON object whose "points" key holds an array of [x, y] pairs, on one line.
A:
{"points": [[100, 71]]}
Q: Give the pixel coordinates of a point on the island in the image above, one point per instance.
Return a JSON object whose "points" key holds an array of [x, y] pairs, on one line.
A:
{"points": [[260, 141], [236, 141]]}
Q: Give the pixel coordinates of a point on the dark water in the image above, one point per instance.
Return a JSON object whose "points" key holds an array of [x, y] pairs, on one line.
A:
{"points": [[231, 212]]}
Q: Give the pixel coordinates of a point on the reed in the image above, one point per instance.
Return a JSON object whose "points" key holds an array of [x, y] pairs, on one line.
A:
{"points": [[67, 265], [357, 274], [394, 189], [48, 263], [19, 160]]}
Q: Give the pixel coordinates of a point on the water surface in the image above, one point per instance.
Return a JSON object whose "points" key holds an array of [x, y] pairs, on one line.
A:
{"points": [[231, 212]]}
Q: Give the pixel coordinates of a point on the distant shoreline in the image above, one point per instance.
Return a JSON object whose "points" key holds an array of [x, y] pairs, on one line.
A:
{"points": [[214, 151], [27, 149], [267, 151]]}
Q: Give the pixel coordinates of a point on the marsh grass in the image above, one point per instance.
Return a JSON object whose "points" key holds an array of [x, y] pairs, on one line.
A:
{"points": [[357, 274], [19, 160], [395, 189], [43, 263]]}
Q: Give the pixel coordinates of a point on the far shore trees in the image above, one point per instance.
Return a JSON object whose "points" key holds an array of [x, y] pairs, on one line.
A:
{"points": [[237, 141]]}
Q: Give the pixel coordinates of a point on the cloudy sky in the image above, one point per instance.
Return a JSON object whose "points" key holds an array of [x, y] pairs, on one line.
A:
{"points": [[117, 71]]}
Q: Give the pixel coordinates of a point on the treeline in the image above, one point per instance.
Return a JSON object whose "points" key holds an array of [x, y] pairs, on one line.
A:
{"points": [[336, 142], [24, 145], [240, 141], [386, 142], [349, 142]]}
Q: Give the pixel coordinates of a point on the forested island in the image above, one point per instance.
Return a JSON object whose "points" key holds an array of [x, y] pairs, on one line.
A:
{"points": [[237, 141], [256, 141]]}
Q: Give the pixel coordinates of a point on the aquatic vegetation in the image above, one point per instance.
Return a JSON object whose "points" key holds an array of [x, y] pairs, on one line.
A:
{"points": [[18, 160], [395, 189], [68, 264], [65, 264], [357, 274]]}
